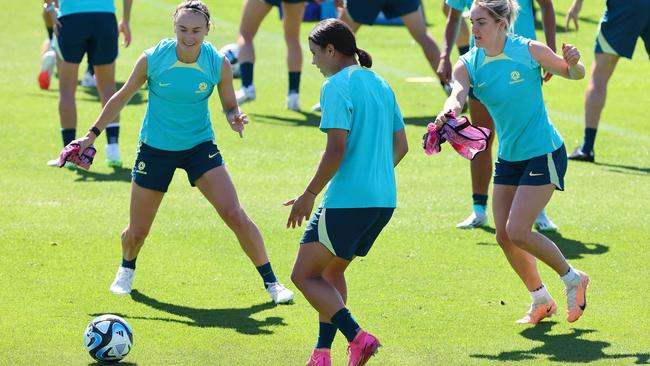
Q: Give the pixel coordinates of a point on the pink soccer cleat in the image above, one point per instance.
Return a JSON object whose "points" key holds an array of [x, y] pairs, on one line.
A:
{"points": [[537, 312], [320, 357], [362, 347], [577, 298]]}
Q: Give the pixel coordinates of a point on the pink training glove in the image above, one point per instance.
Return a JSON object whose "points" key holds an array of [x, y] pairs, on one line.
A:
{"points": [[71, 153], [432, 140]]}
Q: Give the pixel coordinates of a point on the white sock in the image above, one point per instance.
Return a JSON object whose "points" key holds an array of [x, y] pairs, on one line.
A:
{"points": [[540, 296], [572, 277]]}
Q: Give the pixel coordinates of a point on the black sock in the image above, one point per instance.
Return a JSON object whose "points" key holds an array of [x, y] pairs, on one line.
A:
{"points": [[246, 69], [68, 134], [463, 50], [129, 264], [590, 139], [50, 31], [267, 274], [294, 82], [326, 334], [113, 133], [480, 199], [345, 322]]}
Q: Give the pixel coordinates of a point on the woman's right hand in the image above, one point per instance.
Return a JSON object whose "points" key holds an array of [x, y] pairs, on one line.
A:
{"points": [[441, 119], [444, 69], [84, 142]]}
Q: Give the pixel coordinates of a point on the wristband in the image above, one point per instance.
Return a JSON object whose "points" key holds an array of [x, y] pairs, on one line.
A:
{"points": [[312, 192], [95, 130]]}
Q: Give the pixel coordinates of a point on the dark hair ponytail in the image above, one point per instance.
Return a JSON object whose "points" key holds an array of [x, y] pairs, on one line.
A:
{"points": [[364, 58], [339, 35]]}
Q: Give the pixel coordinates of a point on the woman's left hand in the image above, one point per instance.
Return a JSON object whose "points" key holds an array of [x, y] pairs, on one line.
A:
{"points": [[302, 207], [237, 121], [571, 54]]}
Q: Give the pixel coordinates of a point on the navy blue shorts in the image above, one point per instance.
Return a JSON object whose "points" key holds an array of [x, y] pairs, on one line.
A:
{"points": [[154, 168], [538, 171], [278, 2], [347, 232], [92, 33], [623, 23], [366, 11]]}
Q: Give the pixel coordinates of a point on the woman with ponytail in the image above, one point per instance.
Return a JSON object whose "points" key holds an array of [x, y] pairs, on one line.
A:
{"points": [[365, 141], [505, 72]]}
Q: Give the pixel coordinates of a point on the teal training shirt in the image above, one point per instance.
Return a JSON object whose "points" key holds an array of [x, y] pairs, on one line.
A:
{"points": [[85, 6], [524, 24], [510, 87], [177, 116], [360, 101]]}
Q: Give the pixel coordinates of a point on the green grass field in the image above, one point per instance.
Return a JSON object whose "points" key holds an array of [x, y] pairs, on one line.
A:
{"points": [[433, 294]]}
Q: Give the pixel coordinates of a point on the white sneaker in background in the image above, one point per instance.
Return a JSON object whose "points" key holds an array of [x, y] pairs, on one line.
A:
{"points": [[293, 101], [279, 293], [474, 220], [123, 281], [89, 80], [113, 156], [245, 94]]}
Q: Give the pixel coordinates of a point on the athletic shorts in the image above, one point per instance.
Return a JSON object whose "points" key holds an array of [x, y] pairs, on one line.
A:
{"points": [[91, 33], [154, 168], [347, 232], [623, 23], [366, 11], [538, 171], [278, 2]]}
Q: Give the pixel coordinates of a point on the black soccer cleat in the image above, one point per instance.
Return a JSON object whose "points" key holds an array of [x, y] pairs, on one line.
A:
{"points": [[578, 155]]}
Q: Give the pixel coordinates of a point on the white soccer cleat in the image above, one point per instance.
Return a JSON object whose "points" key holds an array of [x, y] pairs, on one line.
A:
{"points": [[245, 94], [293, 102], [316, 107], [543, 223], [123, 281], [113, 156], [89, 80], [474, 220], [279, 293], [48, 64]]}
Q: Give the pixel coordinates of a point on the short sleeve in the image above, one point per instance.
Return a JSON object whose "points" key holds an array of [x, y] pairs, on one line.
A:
{"points": [[336, 109], [398, 120], [468, 60]]}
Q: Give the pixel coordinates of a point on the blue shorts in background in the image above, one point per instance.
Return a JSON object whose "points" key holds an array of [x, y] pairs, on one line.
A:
{"points": [[94, 34], [623, 23], [538, 171], [347, 232], [366, 11]]}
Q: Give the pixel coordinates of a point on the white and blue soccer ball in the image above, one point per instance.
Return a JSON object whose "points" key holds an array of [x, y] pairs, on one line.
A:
{"points": [[231, 51], [108, 338]]}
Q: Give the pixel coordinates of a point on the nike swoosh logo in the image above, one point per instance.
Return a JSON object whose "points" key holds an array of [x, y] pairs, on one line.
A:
{"points": [[583, 306], [210, 156], [480, 84], [164, 84], [535, 174], [548, 310]]}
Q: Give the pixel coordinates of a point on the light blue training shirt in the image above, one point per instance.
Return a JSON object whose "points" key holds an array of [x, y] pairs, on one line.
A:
{"points": [[177, 116], [67, 7], [510, 87], [524, 24], [360, 101]]}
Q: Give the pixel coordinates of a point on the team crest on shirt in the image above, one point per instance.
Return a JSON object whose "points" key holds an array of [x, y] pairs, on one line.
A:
{"points": [[515, 77], [203, 86]]}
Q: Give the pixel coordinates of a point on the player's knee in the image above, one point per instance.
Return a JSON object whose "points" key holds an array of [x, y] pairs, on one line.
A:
{"points": [[517, 233], [502, 238], [235, 218]]}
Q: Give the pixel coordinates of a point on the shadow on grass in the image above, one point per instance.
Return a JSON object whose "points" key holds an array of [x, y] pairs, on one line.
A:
{"points": [[624, 169], [572, 249], [308, 119], [575, 249], [564, 348], [118, 175], [138, 97], [238, 319]]}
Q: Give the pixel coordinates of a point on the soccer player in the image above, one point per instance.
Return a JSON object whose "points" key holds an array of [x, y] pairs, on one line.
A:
{"points": [[365, 141], [481, 166], [505, 71], [253, 14], [623, 23], [182, 73], [88, 27]]}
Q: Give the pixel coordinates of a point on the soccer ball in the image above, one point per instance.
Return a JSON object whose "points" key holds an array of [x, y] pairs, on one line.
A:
{"points": [[108, 338], [231, 51]]}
